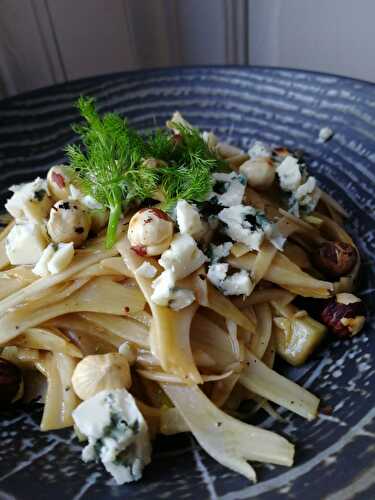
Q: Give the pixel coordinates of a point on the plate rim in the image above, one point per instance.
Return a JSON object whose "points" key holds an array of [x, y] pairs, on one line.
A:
{"points": [[180, 68]]}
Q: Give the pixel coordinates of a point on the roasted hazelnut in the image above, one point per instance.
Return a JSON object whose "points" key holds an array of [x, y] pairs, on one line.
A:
{"points": [[344, 315], [335, 258], [99, 372], [11, 383], [225, 150], [69, 221], [259, 172], [59, 182], [150, 232]]}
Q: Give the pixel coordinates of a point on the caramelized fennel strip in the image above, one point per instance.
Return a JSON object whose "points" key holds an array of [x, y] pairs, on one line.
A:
{"points": [[60, 397], [4, 261], [42, 284], [260, 340], [170, 331], [99, 295], [229, 441], [284, 273], [261, 380], [225, 307]]}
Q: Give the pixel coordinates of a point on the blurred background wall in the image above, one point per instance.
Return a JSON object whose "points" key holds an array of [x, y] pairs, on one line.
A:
{"points": [[49, 41]]}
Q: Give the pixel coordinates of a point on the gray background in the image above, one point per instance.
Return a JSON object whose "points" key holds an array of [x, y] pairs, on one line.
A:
{"points": [[49, 41]]}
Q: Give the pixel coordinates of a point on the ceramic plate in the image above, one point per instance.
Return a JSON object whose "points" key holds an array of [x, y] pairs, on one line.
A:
{"points": [[335, 454]]}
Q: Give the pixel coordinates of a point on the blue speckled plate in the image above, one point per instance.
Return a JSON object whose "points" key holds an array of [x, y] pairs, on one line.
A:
{"points": [[335, 456]]}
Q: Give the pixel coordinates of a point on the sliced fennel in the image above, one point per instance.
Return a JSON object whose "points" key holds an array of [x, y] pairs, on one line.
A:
{"points": [[261, 380], [229, 441]]}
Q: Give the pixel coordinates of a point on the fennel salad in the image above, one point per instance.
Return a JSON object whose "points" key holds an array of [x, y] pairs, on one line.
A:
{"points": [[151, 282]]}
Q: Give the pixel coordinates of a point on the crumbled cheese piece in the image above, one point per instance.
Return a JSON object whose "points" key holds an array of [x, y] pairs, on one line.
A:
{"points": [[41, 268], [166, 294], [181, 298], [217, 273], [25, 243], [182, 257], [163, 287], [305, 189], [259, 150], [54, 259], [305, 198], [245, 224], [62, 258], [218, 252], [289, 174], [188, 219], [146, 270], [229, 189], [294, 179], [117, 434], [86, 200], [325, 134], [30, 201], [237, 284]]}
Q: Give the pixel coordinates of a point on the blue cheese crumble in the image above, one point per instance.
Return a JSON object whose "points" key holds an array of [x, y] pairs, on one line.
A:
{"points": [[30, 201], [245, 224], [117, 434], [188, 219], [302, 188], [218, 252], [249, 226], [289, 174], [181, 298], [325, 134], [236, 284], [25, 243], [163, 287], [55, 258], [228, 189], [146, 270], [182, 258]]}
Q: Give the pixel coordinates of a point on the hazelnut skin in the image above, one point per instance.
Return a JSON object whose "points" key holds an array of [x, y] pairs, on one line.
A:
{"points": [[59, 182], [10, 383], [344, 315], [335, 258]]}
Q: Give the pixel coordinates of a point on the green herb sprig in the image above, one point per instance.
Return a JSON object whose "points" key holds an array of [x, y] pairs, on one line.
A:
{"points": [[110, 165], [188, 165]]}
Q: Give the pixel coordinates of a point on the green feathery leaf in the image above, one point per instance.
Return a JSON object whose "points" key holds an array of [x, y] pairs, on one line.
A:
{"points": [[111, 165], [188, 173]]}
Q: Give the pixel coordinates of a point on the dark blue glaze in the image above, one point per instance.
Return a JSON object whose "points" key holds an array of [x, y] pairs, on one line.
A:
{"points": [[335, 454]]}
